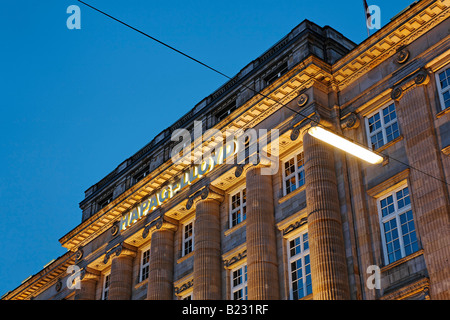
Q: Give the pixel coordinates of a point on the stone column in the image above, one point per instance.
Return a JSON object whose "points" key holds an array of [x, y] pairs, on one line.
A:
{"points": [[207, 258], [160, 278], [88, 282], [121, 273], [326, 242], [428, 194], [262, 266]]}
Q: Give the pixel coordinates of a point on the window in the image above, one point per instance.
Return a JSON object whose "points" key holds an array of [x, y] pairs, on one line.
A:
{"points": [[397, 225], [293, 173], [300, 284], [239, 283], [382, 126], [187, 297], [238, 207], [188, 238], [103, 203], [282, 69], [141, 175], [145, 264], [226, 111], [443, 80], [106, 283]]}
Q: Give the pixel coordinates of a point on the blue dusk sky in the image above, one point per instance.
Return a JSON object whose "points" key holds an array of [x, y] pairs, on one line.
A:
{"points": [[74, 104]]}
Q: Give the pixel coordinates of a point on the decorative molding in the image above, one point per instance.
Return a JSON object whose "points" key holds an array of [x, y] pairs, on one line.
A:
{"points": [[389, 184], [236, 258], [79, 254], [397, 93], [302, 100], [207, 192], [162, 222], [419, 287], [184, 287], [446, 150], [352, 121], [402, 56], [119, 249], [294, 226]]}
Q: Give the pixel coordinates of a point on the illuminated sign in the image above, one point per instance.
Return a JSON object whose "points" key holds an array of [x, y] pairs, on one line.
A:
{"points": [[169, 191]]}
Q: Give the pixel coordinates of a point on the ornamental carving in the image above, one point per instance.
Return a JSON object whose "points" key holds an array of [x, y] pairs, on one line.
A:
{"points": [[295, 225], [184, 286], [302, 100], [402, 56], [396, 93], [241, 255], [350, 122]]}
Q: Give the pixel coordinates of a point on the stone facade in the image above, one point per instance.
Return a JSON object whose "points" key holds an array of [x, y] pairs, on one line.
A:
{"points": [[324, 223]]}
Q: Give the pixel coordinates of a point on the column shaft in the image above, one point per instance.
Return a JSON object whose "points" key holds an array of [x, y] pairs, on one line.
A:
{"points": [[262, 264], [429, 195], [160, 279], [121, 278], [87, 290], [328, 263], [207, 262]]}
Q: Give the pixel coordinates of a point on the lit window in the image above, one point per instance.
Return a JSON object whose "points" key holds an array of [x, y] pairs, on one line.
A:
{"points": [[239, 283], [382, 126], [188, 238], [145, 265], [238, 207], [443, 83], [293, 173], [106, 283], [300, 284], [397, 225]]}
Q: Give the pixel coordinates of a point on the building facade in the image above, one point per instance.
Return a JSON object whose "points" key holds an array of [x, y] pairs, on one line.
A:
{"points": [[323, 224]]}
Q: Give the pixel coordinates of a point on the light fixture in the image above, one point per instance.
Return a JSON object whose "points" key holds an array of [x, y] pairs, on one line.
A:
{"points": [[345, 145]]}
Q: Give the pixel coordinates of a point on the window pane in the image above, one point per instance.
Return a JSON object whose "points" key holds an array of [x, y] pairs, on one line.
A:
{"points": [[377, 140], [374, 123], [387, 206], [408, 232], [289, 167], [392, 242]]}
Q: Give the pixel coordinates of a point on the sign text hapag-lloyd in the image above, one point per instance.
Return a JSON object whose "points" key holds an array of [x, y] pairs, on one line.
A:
{"points": [[169, 191]]}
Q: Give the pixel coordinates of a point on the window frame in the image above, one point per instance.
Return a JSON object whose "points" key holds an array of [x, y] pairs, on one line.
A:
{"points": [[185, 239], [242, 206], [294, 156], [143, 266], [294, 258], [396, 215], [106, 285], [241, 286], [438, 85], [383, 125]]}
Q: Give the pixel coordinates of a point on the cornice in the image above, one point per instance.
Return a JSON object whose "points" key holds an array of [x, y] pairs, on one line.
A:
{"points": [[389, 40], [43, 279]]}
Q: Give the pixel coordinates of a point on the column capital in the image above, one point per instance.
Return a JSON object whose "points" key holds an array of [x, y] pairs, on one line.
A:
{"points": [[89, 274], [160, 223], [419, 78], [121, 249], [208, 192]]}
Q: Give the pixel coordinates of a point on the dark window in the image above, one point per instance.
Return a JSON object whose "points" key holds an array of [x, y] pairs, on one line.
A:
{"points": [[276, 74], [226, 111], [141, 175], [103, 203]]}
